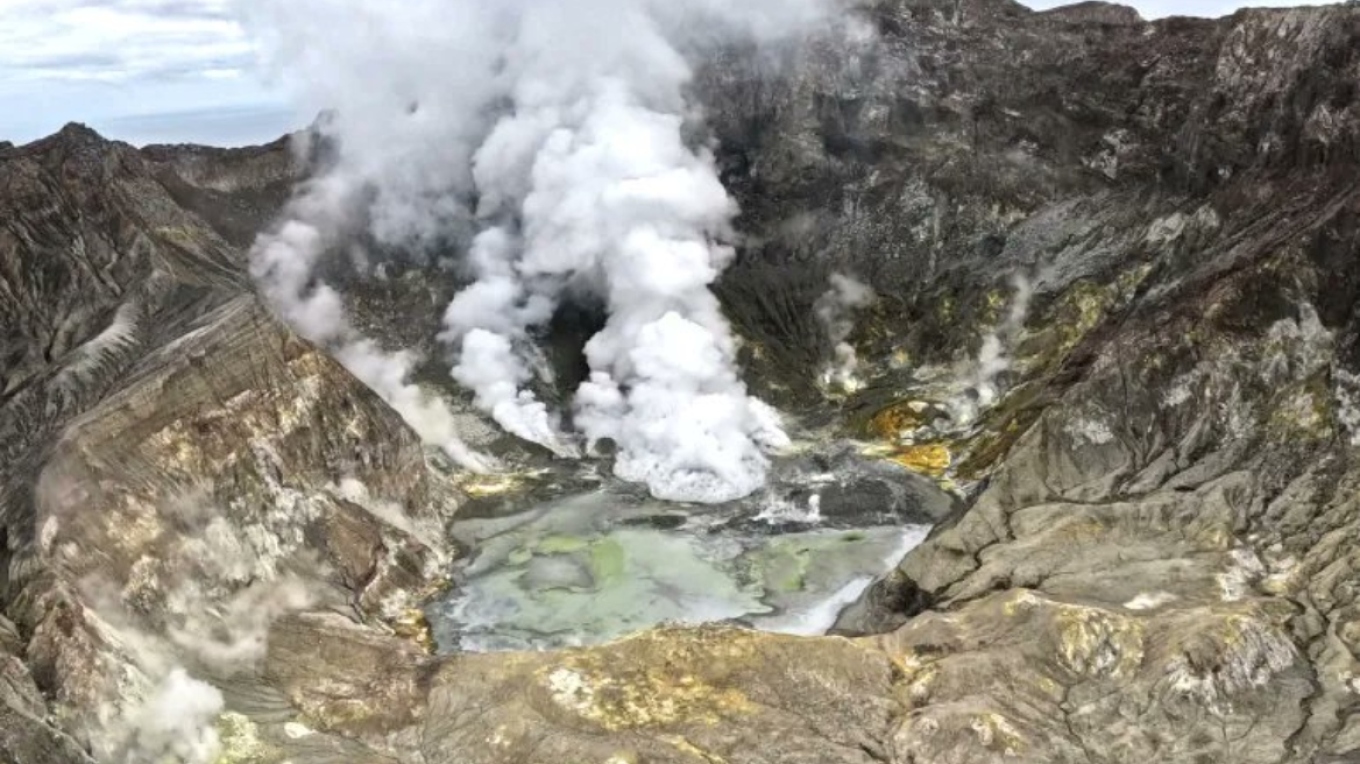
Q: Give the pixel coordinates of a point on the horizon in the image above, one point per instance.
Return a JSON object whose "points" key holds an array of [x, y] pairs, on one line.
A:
{"points": [[185, 71]]}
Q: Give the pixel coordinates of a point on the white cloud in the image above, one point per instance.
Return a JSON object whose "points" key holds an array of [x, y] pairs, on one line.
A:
{"points": [[119, 40], [140, 70], [1156, 9]]}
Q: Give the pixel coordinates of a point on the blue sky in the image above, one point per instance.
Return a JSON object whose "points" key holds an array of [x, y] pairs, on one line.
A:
{"points": [[154, 71], [140, 70]]}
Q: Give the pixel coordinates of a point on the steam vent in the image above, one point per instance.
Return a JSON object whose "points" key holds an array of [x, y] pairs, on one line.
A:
{"points": [[684, 382]]}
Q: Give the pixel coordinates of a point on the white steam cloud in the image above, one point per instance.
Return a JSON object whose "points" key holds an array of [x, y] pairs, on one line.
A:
{"points": [[556, 137], [836, 311], [164, 712], [388, 375], [175, 722], [983, 381], [282, 262]]}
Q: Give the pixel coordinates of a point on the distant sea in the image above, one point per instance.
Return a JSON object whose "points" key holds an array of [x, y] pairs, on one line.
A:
{"points": [[222, 126]]}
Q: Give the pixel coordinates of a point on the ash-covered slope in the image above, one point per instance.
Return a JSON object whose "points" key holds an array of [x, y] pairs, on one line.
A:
{"points": [[104, 248], [973, 140], [1156, 566], [1117, 274], [177, 466]]}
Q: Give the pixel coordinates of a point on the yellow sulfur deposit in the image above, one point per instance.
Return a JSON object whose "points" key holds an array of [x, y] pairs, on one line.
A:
{"points": [[892, 421], [931, 459], [413, 625]]}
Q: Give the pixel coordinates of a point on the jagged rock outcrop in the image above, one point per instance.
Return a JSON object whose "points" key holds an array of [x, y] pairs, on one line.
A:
{"points": [[1153, 223], [238, 192]]}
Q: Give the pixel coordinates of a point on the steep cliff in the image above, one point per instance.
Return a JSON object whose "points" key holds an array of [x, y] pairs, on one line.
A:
{"points": [[176, 465]]}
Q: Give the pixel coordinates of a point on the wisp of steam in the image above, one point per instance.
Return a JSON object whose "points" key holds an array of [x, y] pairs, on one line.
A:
{"points": [[553, 138]]}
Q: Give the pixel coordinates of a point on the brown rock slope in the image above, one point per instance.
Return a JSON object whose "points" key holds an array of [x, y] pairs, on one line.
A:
{"points": [[178, 468]]}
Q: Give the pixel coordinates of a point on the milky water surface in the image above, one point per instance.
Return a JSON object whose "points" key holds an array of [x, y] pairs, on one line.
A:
{"points": [[595, 566]]}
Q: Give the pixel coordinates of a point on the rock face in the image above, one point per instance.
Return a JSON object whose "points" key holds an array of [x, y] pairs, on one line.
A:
{"points": [[1153, 567], [1148, 230], [178, 468]]}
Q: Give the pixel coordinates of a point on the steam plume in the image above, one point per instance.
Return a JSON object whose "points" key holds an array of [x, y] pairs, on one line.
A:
{"points": [[835, 311], [283, 262], [170, 714], [993, 358], [552, 136]]}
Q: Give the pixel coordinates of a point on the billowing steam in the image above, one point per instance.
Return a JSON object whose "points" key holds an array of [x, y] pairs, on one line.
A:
{"points": [[165, 712], [836, 311], [553, 139], [173, 723], [283, 262], [985, 372]]}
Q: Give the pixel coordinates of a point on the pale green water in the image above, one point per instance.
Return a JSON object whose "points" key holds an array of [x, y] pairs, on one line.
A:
{"points": [[593, 567]]}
